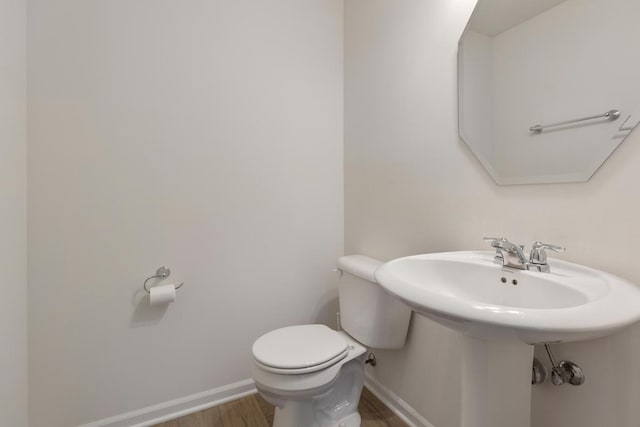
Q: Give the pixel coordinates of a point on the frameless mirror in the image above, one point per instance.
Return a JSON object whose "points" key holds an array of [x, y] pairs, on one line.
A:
{"points": [[548, 89]]}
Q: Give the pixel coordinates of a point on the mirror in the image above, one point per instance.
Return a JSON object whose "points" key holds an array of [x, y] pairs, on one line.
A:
{"points": [[548, 89]]}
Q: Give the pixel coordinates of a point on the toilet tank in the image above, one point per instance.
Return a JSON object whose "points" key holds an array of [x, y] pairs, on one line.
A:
{"points": [[367, 312]]}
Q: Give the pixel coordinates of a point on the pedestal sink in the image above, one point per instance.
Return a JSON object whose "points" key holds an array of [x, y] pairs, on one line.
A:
{"points": [[501, 312]]}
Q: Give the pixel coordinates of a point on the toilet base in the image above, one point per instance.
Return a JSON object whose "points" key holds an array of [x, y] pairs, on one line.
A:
{"points": [[334, 406], [291, 414]]}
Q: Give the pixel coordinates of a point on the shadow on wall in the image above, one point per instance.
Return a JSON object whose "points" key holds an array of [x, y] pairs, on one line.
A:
{"points": [[145, 314], [326, 310]]}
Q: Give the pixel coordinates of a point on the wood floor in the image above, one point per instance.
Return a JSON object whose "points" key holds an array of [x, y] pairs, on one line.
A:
{"points": [[253, 411]]}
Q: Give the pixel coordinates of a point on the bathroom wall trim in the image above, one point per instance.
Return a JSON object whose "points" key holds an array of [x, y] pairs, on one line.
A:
{"points": [[173, 409], [398, 406], [177, 408]]}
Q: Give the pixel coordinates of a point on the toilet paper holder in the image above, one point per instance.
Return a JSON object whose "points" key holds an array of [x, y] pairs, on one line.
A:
{"points": [[161, 273]]}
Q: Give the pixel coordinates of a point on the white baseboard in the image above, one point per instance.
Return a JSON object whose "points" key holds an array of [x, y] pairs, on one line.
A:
{"points": [[398, 406], [177, 408], [166, 411]]}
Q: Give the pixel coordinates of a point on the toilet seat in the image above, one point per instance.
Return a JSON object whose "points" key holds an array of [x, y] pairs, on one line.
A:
{"points": [[293, 386], [307, 370], [299, 349]]}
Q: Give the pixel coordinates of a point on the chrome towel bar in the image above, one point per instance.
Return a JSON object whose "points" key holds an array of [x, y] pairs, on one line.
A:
{"points": [[611, 115]]}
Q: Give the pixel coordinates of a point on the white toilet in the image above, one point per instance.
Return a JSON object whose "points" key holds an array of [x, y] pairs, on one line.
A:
{"points": [[313, 374]]}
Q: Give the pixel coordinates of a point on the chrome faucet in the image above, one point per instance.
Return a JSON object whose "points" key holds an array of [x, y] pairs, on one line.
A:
{"points": [[508, 254], [538, 257], [511, 255]]}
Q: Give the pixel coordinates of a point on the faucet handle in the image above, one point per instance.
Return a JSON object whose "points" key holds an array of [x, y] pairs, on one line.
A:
{"points": [[499, 242], [541, 245], [496, 242], [494, 239], [539, 254]]}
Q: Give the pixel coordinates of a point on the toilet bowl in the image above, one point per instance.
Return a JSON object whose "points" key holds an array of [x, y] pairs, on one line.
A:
{"points": [[314, 375], [311, 391]]}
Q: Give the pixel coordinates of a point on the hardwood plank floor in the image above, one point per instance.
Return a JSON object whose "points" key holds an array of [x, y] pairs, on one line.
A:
{"points": [[375, 414], [254, 411]]}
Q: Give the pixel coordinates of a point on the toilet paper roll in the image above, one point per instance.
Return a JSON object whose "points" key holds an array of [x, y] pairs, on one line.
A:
{"points": [[164, 294]]}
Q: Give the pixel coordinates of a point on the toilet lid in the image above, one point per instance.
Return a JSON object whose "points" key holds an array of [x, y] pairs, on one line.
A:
{"points": [[298, 347]]}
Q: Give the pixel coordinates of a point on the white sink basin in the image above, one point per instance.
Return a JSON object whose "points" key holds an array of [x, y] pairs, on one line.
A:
{"points": [[465, 291], [498, 319]]}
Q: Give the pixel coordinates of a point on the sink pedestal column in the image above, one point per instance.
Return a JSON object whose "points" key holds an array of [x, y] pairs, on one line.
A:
{"points": [[496, 383]]}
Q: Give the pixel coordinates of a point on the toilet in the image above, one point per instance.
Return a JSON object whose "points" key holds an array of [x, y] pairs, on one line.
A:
{"points": [[314, 375]]}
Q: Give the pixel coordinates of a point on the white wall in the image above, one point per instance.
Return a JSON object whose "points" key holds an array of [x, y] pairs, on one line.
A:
{"points": [[13, 215], [411, 186], [204, 135]]}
